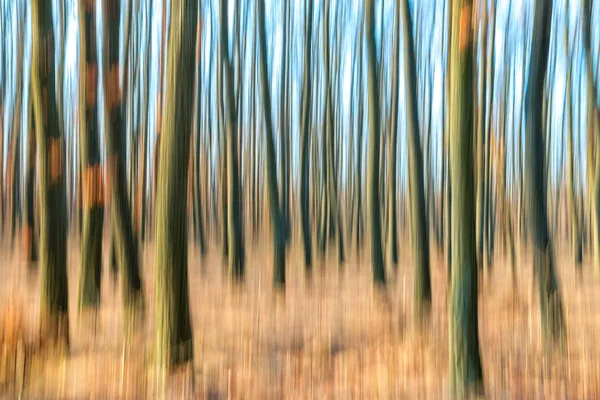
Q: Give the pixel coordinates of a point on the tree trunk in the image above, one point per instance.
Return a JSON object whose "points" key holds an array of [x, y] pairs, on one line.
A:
{"points": [[553, 328], [53, 231], [125, 246], [392, 220], [574, 213], [29, 235], [174, 340], [374, 216], [305, 138], [276, 216], [419, 226], [593, 129], [466, 376], [234, 206], [93, 190]]}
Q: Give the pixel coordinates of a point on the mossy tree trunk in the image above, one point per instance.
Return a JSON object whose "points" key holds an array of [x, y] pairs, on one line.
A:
{"points": [[93, 189], [418, 215], [374, 210], [466, 375], [174, 340], [54, 314], [553, 328]]}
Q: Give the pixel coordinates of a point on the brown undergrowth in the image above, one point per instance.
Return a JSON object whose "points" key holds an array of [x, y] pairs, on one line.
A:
{"points": [[335, 337]]}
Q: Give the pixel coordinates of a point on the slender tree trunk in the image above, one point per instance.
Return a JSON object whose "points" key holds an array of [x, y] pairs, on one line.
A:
{"points": [[174, 339], [125, 245], [305, 138], [234, 206], [420, 234], [198, 156], [93, 189], [392, 232], [53, 231], [466, 374], [374, 216], [553, 328], [276, 216], [29, 235], [593, 123], [574, 213]]}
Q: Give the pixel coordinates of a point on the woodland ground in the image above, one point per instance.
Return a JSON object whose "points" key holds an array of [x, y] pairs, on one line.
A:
{"points": [[335, 338]]}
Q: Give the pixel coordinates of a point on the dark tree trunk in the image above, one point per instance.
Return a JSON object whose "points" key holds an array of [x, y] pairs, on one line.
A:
{"points": [[466, 374], [419, 226], [174, 340], [276, 215], [374, 217], [553, 328], [125, 245], [53, 231], [93, 189]]}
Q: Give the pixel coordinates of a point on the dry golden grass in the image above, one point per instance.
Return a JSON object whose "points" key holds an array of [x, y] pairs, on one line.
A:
{"points": [[334, 338]]}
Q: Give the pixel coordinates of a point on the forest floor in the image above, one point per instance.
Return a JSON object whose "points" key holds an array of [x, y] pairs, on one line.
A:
{"points": [[334, 338]]}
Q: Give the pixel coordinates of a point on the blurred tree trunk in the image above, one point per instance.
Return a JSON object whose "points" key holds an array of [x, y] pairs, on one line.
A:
{"points": [[276, 216], [447, 136], [374, 216], [574, 213], [198, 127], [553, 328], [283, 120], [54, 314], [13, 174], [3, 112], [145, 113], [222, 160], [593, 128], [481, 136], [160, 99], [392, 221], [125, 245], [234, 218], [174, 340], [418, 216], [332, 186], [305, 136], [359, 147], [93, 190], [466, 376], [502, 184], [30, 244]]}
